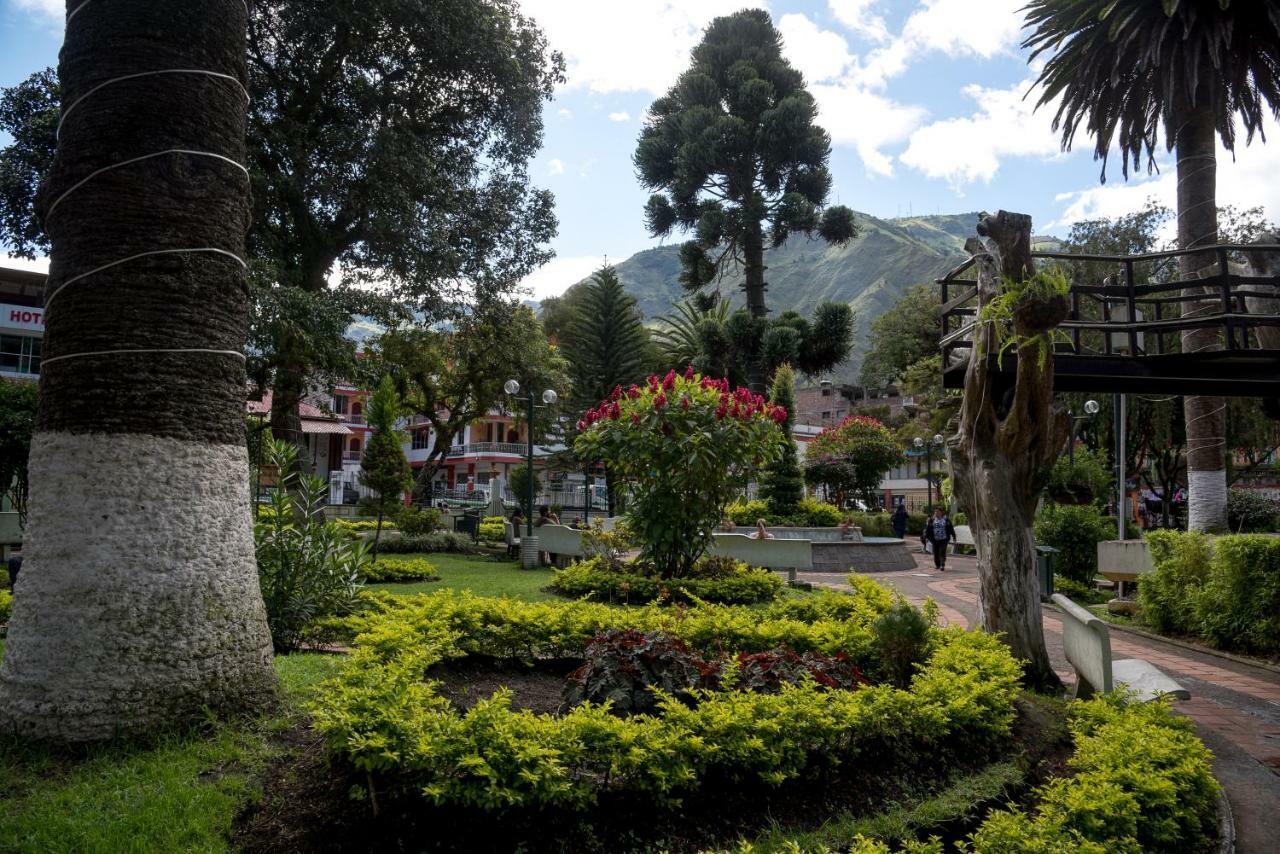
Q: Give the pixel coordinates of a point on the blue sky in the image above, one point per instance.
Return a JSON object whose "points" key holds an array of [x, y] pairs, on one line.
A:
{"points": [[923, 99]]}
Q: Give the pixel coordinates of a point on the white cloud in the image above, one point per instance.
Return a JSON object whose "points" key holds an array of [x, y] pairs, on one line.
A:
{"points": [[865, 121], [621, 116], [555, 166], [818, 54], [636, 46], [968, 149], [857, 16], [50, 8], [557, 275], [565, 113], [966, 28], [1247, 181]]}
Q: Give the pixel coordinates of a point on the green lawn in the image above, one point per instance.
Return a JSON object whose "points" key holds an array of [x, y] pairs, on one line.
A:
{"points": [[180, 793], [483, 576]]}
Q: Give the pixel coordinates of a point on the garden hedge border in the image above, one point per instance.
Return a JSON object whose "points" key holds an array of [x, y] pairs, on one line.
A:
{"points": [[746, 586], [380, 717]]}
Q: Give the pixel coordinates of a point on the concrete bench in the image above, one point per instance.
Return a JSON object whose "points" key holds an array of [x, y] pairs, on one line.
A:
{"points": [[560, 540], [1124, 562], [779, 553], [1087, 643], [964, 539], [512, 538]]}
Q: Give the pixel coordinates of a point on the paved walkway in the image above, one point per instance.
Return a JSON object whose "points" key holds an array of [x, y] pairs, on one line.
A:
{"points": [[1236, 707]]}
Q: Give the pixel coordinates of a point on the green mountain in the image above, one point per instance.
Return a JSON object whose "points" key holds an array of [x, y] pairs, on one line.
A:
{"points": [[870, 273]]}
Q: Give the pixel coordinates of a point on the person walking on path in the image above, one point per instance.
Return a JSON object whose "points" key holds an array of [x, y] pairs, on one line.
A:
{"points": [[899, 521], [938, 532]]}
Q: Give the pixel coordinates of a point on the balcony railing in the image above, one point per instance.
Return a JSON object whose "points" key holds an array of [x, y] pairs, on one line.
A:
{"points": [[352, 456], [348, 418], [475, 448]]}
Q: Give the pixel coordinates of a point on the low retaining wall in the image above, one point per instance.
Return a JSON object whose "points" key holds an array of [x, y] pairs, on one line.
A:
{"points": [[841, 550]]}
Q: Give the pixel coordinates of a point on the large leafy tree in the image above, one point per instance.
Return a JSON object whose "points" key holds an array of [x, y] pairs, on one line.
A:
{"points": [[909, 331], [139, 606], [388, 139], [384, 468], [735, 157], [1186, 71], [452, 376], [851, 458]]}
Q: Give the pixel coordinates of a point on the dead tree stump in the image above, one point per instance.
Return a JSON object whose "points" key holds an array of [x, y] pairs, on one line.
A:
{"points": [[1008, 439]]}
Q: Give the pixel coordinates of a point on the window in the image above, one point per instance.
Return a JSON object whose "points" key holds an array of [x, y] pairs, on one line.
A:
{"points": [[19, 354], [826, 392], [826, 416], [421, 440], [340, 404]]}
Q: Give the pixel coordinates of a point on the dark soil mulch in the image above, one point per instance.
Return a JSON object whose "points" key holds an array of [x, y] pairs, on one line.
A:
{"points": [[312, 806]]}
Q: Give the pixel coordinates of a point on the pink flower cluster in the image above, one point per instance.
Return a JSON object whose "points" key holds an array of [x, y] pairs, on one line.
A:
{"points": [[737, 403]]}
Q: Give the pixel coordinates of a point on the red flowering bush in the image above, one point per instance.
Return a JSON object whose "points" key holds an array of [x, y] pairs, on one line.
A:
{"points": [[852, 457], [682, 443]]}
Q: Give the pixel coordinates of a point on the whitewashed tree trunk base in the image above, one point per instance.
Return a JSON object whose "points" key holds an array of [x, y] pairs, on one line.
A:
{"points": [[1207, 509], [138, 604]]}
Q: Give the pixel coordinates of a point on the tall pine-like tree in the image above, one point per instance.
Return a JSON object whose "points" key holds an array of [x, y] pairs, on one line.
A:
{"points": [[384, 468], [606, 345], [782, 485], [736, 159]]}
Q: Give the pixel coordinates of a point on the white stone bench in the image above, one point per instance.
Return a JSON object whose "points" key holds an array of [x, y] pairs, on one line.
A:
{"points": [[1087, 643], [512, 538], [778, 553], [964, 539], [560, 540]]}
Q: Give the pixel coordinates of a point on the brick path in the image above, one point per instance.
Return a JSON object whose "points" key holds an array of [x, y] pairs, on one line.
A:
{"points": [[1236, 707]]}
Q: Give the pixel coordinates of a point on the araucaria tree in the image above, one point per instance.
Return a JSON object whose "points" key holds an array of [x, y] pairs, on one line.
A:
{"points": [[1184, 70], [384, 468], [1010, 437], [139, 604], [852, 458], [782, 485], [683, 444], [736, 157]]}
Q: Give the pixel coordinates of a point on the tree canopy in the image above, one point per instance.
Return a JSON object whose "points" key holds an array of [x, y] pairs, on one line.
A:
{"points": [[737, 160], [606, 344], [851, 458], [452, 376], [909, 331], [781, 483]]}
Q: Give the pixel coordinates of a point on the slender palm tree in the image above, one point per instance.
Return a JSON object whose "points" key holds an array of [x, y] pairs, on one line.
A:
{"points": [[1184, 70], [139, 604]]}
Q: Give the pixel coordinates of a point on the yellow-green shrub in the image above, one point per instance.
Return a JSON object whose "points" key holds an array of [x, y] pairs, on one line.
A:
{"points": [[593, 578], [1225, 589], [492, 529], [391, 568], [359, 526], [1142, 782], [6, 605], [381, 717]]}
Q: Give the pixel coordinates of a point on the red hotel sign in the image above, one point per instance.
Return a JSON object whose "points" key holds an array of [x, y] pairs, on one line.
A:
{"points": [[21, 317]]}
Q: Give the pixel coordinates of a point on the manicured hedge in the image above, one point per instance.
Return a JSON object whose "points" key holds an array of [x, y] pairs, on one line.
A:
{"points": [[380, 716], [437, 541], [1226, 589], [744, 585], [1141, 781], [6, 605], [1075, 531], [492, 529], [359, 526], [386, 569]]}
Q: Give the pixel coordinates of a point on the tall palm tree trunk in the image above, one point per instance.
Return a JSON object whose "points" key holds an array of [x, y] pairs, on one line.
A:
{"points": [[1198, 226], [139, 604]]}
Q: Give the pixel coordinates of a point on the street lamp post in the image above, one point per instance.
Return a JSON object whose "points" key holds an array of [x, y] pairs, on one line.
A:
{"points": [[936, 442], [549, 397], [1090, 410]]}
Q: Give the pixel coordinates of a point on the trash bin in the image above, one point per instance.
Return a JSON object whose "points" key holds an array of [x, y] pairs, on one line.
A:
{"points": [[468, 523], [1044, 563]]}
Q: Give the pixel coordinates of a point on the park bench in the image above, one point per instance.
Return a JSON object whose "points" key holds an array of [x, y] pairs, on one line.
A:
{"points": [[779, 553], [1087, 643], [964, 539], [559, 540]]}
